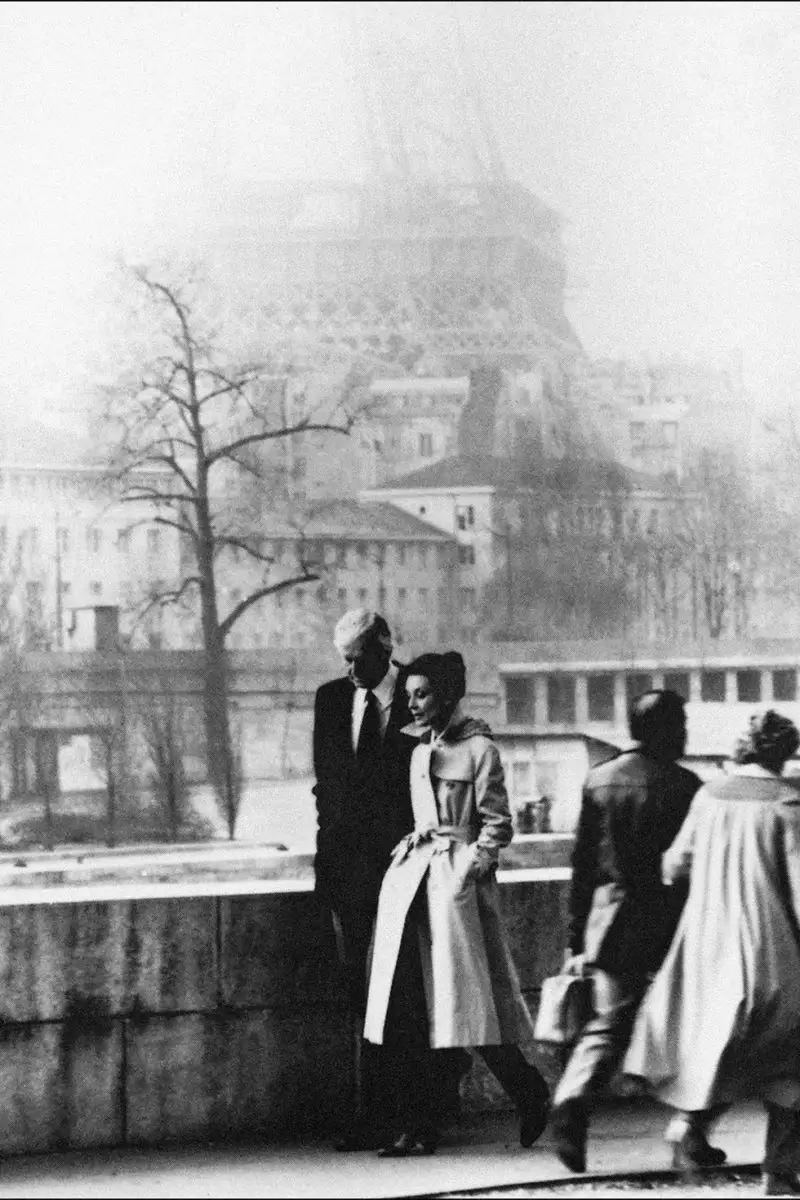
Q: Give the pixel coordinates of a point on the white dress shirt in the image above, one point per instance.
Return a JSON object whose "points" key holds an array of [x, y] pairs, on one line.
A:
{"points": [[384, 694]]}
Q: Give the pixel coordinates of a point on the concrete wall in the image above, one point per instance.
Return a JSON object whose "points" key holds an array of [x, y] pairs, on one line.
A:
{"points": [[158, 1017]]}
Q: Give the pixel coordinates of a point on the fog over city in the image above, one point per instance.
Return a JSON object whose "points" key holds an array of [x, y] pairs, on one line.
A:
{"points": [[665, 133]]}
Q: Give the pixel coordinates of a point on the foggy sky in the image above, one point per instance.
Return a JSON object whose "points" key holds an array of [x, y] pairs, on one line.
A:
{"points": [[666, 133]]}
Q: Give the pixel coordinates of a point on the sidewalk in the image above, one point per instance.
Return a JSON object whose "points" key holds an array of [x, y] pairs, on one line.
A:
{"points": [[481, 1153]]}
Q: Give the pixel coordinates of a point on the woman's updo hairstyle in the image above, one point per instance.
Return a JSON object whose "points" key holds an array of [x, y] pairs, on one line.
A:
{"points": [[446, 674], [770, 740]]}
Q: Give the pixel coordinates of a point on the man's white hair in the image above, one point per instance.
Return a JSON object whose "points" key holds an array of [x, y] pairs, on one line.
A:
{"points": [[356, 626]]}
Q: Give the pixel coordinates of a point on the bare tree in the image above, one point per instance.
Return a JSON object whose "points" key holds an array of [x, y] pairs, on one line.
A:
{"points": [[188, 428]]}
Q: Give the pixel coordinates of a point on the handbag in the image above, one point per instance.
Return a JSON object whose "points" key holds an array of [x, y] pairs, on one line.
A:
{"points": [[565, 1005]]}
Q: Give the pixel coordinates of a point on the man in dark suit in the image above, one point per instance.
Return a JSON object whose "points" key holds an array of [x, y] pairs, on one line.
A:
{"points": [[361, 763], [622, 917]]}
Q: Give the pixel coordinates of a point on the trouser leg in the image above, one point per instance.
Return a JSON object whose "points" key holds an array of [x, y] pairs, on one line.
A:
{"points": [[604, 1038], [782, 1147], [697, 1121], [374, 1098], [518, 1078]]}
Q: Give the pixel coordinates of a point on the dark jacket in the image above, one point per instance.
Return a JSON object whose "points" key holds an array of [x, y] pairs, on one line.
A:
{"points": [[361, 813], [621, 915]]}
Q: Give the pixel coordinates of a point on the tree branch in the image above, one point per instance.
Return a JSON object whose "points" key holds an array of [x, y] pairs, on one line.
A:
{"points": [[259, 594]]}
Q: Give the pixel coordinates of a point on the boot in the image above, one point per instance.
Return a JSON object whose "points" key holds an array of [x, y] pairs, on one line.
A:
{"points": [[693, 1153], [570, 1126]]}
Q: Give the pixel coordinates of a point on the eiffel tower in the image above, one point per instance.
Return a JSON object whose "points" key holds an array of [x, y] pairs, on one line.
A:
{"points": [[439, 262]]}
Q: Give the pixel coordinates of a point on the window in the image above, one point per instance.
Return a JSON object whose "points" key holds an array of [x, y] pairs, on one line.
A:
{"points": [[153, 541], [426, 445], [519, 700], [636, 683], [521, 780], [677, 681], [465, 517], [561, 699], [400, 554], [784, 685], [423, 556], [299, 468], [66, 588], [63, 540], [600, 689], [402, 595], [362, 597], [94, 539], [443, 555], [423, 597], [341, 554], [123, 541], [467, 598], [466, 556], [748, 686], [33, 539], [712, 686], [341, 597], [96, 587], [381, 597], [422, 510]]}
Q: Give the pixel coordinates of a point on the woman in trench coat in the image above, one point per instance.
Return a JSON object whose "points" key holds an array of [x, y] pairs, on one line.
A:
{"points": [[722, 1018], [442, 975]]}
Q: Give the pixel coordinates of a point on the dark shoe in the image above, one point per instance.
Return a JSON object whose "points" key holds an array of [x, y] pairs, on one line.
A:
{"points": [[534, 1112], [570, 1124], [693, 1153], [359, 1139], [780, 1183], [410, 1143]]}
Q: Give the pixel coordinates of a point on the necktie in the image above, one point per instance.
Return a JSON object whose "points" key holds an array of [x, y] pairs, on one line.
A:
{"points": [[369, 742]]}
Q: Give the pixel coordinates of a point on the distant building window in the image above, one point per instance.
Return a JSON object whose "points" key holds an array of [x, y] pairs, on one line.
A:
{"points": [[465, 517], [426, 445], [423, 597], [423, 556], [677, 681], [466, 555], [362, 597], [784, 685], [422, 510], [600, 690], [519, 700], [443, 555], [402, 594], [561, 699], [400, 554], [123, 541], [521, 780], [636, 683], [299, 468], [66, 588], [467, 598], [748, 686], [341, 596], [63, 540], [94, 539], [381, 597], [33, 539], [341, 554], [96, 587], [153, 541], [712, 686]]}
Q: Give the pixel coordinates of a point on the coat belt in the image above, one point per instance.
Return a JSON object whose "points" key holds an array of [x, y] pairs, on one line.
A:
{"points": [[437, 837]]}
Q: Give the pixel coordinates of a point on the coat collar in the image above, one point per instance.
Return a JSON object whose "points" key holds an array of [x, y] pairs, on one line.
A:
{"points": [[448, 734]]}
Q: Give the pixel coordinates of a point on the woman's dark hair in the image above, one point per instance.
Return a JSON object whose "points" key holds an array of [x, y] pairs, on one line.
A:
{"points": [[770, 740], [446, 673]]}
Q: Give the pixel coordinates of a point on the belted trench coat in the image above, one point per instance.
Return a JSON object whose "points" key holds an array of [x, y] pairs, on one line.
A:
{"points": [[461, 819]]}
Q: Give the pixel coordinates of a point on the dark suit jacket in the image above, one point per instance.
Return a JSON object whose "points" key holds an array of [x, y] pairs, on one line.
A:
{"points": [[621, 915], [361, 814]]}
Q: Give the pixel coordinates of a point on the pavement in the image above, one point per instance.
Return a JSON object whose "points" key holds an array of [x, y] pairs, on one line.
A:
{"points": [[481, 1154]]}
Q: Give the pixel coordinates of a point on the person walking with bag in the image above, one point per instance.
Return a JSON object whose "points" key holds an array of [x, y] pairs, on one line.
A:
{"points": [[442, 974], [622, 918], [722, 1018]]}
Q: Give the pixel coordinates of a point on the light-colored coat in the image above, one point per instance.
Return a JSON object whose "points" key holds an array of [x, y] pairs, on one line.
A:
{"points": [[461, 819], [722, 1018]]}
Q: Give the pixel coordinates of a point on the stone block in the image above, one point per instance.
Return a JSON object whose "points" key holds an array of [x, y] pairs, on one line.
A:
{"points": [[536, 919], [60, 1086], [237, 1074], [156, 955], [279, 950]]}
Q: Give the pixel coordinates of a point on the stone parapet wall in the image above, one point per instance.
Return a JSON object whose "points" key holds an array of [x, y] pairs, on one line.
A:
{"points": [[158, 1017]]}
